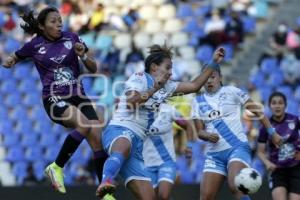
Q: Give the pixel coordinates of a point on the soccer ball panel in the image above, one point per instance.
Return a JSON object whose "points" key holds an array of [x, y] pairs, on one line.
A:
{"points": [[248, 181]]}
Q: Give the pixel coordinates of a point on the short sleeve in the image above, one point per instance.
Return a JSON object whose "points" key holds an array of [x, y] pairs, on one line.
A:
{"points": [[263, 135], [135, 82], [25, 51], [171, 86], [195, 110], [241, 96]]}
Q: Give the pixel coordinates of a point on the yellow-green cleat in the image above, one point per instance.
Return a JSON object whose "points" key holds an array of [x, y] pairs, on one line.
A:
{"points": [[56, 176], [108, 197]]}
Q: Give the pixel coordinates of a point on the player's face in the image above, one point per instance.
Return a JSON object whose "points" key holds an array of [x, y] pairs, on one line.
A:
{"points": [[213, 83], [164, 68], [53, 26], [277, 106]]}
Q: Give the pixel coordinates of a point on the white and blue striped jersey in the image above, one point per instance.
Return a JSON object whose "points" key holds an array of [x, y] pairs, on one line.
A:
{"points": [[159, 146], [139, 120], [221, 114]]}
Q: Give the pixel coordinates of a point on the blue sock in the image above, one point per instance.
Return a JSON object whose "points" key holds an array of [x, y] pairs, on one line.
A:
{"points": [[112, 166], [245, 197]]}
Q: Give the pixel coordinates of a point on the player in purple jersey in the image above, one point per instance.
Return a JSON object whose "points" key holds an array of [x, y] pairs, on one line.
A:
{"points": [[55, 54], [284, 168]]}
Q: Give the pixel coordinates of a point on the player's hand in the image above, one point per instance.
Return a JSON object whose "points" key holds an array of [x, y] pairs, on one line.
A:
{"points": [[277, 140], [79, 49], [9, 62], [270, 166], [219, 55], [161, 80]]}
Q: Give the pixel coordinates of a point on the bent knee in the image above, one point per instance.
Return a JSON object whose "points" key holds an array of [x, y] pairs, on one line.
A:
{"points": [[163, 196], [207, 196]]}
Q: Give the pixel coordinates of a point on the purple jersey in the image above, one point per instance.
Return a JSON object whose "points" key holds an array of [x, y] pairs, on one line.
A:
{"points": [[289, 131], [56, 62]]}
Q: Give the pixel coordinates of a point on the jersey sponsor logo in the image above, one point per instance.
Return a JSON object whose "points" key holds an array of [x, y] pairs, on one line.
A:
{"points": [[68, 44], [64, 76], [214, 114], [61, 104], [58, 59], [42, 50], [209, 164]]}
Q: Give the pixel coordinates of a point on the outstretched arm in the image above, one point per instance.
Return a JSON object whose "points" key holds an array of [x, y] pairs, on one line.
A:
{"points": [[87, 60], [195, 85]]}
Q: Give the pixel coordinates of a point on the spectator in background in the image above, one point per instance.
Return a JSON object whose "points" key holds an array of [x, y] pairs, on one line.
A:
{"points": [[97, 19], [77, 19], [291, 70], [234, 29], [134, 61], [281, 162], [30, 179], [131, 18]]}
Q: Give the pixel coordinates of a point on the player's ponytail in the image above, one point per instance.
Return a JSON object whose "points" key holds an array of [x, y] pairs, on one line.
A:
{"points": [[31, 23], [157, 54]]}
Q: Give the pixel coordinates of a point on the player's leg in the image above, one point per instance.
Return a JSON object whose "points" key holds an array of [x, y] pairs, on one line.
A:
{"points": [[166, 178], [214, 174], [117, 142], [294, 183], [279, 183], [239, 158], [210, 185], [94, 137], [69, 118], [141, 189], [279, 193]]}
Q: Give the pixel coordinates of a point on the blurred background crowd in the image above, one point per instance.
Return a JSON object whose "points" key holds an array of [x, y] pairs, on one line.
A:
{"points": [[118, 33]]}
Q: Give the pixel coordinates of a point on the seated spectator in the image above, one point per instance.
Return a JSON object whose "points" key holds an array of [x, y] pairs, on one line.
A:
{"points": [[97, 19], [291, 70], [77, 19], [131, 18], [234, 29]]}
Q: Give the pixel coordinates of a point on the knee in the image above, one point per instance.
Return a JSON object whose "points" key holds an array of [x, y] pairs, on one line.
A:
{"points": [[163, 195], [207, 196], [233, 189]]}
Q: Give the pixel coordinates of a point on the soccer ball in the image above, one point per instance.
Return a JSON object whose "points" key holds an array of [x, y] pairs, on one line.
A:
{"points": [[248, 181]]}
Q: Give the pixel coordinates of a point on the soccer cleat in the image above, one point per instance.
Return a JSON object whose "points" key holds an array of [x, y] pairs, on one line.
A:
{"points": [[108, 197], [56, 176], [105, 188]]}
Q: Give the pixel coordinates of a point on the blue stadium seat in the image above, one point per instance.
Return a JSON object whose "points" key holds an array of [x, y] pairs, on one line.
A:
{"points": [[229, 52], [19, 169], [204, 53], [13, 99], [276, 78], [22, 70], [249, 24], [73, 169], [33, 153], [258, 79], [48, 139], [2, 18], [27, 85], [29, 140], [31, 99], [103, 42], [24, 126], [51, 153], [286, 90], [265, 92], [87, 83], [89, 39], [7, 127], [269, 65], [297, 93], [15, 154], [11, 140], [191, 25], [19, 113], [5, 74], [8, 86], [202, 10], [184, 10], [292, 106], [43, 126], [194, 40], [11, 45], [78, 157], [38, 167], [38, 113]]}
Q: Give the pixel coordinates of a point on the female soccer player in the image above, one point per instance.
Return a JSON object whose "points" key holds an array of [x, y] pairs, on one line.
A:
{"points": [[284, 168], [143, 94], [217, 117], [159, 152], [55, 54]]}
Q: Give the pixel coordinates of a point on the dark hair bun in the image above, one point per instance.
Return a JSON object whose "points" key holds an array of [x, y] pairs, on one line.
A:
{"points": [[164, 49]]}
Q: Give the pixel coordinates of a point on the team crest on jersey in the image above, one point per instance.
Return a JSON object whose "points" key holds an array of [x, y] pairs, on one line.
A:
{"points": [[58, 59], [291, 125], [222, 96], [68, 44]]}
